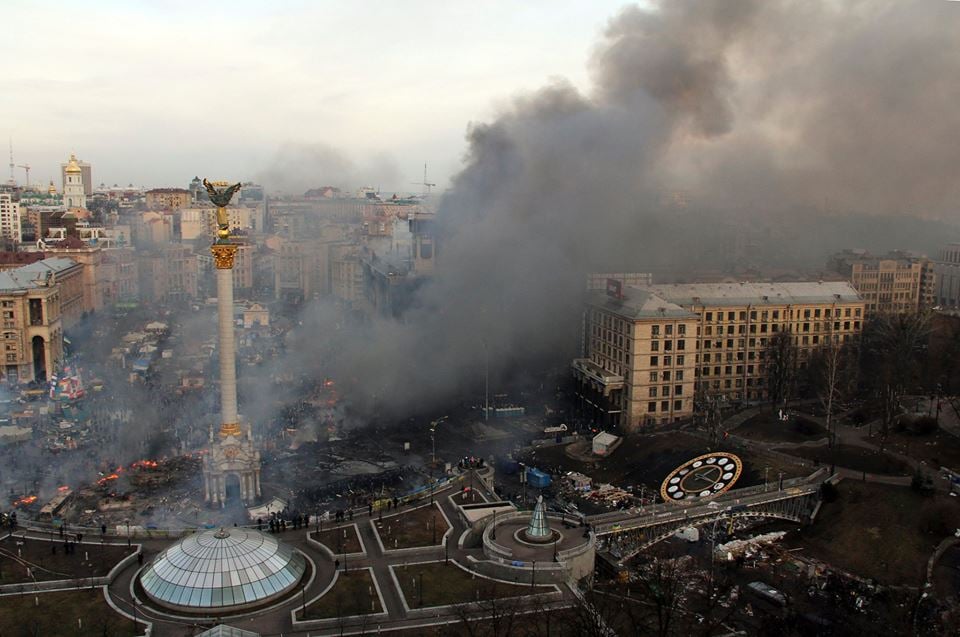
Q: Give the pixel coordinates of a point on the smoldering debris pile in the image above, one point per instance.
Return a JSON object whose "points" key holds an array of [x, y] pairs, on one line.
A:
{"points": [[165, 475]]}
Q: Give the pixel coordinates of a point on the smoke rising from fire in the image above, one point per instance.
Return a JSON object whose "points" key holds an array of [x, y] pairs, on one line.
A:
{"points": [[784, 121]]}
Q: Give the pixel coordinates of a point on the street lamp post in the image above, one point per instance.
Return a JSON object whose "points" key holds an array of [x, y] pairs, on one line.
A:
{"points": [[766, 471], [486, 382], [533, 576], [939, 400], [493, 531], [433, 446], [713, 548], [303, 596], [523, 482]]}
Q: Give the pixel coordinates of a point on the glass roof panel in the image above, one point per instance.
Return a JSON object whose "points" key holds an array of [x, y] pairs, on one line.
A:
{"points": [[222, 568]]}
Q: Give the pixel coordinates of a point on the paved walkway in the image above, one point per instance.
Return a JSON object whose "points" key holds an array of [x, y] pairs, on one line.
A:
{"points": [[845, 435], [277, 620], [949, 417]]}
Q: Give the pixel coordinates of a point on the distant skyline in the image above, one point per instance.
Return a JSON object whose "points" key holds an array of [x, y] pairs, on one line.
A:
{"points": [[155, 93]]}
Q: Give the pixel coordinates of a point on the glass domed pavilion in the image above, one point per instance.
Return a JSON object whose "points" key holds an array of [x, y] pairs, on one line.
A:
{"points": [[222, 571]]}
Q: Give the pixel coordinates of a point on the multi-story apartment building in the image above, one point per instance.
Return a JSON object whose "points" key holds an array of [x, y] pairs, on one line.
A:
{"points": [[168, 274], [152, 229], [296, 271], [10, 219], [89, 258], [32, 329], [120, 279], [168, 198], [647, 350], [346, 273], [200, 221], [893, 283], [598, 281], [302, 267], [243, 269], [947, 276]]}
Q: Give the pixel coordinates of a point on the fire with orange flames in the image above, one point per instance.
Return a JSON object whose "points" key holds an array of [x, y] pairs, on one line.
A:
{"points": [[108, 478]]}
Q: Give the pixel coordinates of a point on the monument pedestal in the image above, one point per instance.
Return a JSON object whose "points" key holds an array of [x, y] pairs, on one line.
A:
{"points": [[232, 459]]}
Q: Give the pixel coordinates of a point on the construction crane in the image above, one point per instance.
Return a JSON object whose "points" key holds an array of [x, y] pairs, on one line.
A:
{"points": [[426, 184], [26, 169]]}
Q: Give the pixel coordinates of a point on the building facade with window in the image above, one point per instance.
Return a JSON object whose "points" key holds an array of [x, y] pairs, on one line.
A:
{"points": [[10, 219], [947, 277], [648, 350], [168, 198], [31, 329], [897, 282]]}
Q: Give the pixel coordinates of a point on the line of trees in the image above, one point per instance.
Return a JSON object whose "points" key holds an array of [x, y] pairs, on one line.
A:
{"points": [[886, 362]]}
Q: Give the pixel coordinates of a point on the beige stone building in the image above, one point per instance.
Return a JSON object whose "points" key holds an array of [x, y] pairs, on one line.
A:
{"points": [[120, 281], [255, 315], [32, 329], [303, 267], [10, 229], [168, 274], [346, 273], [893, 283], [200, 221], [947, 277], [168, 198], [648, 350], [90, 258], [152, 228], [243, 268]]}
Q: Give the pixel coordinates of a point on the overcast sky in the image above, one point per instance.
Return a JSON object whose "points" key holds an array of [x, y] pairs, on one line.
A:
{"points": [[156, 92]]}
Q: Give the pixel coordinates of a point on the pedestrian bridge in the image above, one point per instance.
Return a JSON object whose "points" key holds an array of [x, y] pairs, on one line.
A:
{"points": [[628, 532]]}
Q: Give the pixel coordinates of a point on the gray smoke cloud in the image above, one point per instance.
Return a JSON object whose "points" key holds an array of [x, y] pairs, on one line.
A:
{"points": [[838, 106], [297, 167], [778, 119]]}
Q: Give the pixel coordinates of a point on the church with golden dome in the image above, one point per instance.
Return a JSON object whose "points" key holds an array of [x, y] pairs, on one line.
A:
{"points": [[74, 192]]}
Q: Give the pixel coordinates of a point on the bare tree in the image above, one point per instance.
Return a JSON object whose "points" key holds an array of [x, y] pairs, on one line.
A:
{"points": [[707, 412], [493, 616], [832, 374], [781, 365], [894, 349]]}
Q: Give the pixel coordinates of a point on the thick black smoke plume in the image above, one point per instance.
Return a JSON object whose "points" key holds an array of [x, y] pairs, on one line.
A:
{"points": [[786, 126]]}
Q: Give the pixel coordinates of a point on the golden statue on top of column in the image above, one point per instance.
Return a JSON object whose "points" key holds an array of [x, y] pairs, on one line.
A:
{"points": [[221, 193]]}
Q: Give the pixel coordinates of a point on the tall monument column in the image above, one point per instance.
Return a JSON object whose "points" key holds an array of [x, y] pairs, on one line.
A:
{"points": [[233, 464], [223, 256]]}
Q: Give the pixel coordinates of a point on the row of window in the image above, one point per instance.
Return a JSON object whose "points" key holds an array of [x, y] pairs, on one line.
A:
{"points": [[667, 329], [667, 361], [667, 345], [656, 377], [665, 391], [664, 406], [727, 370], [765, 315]]}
